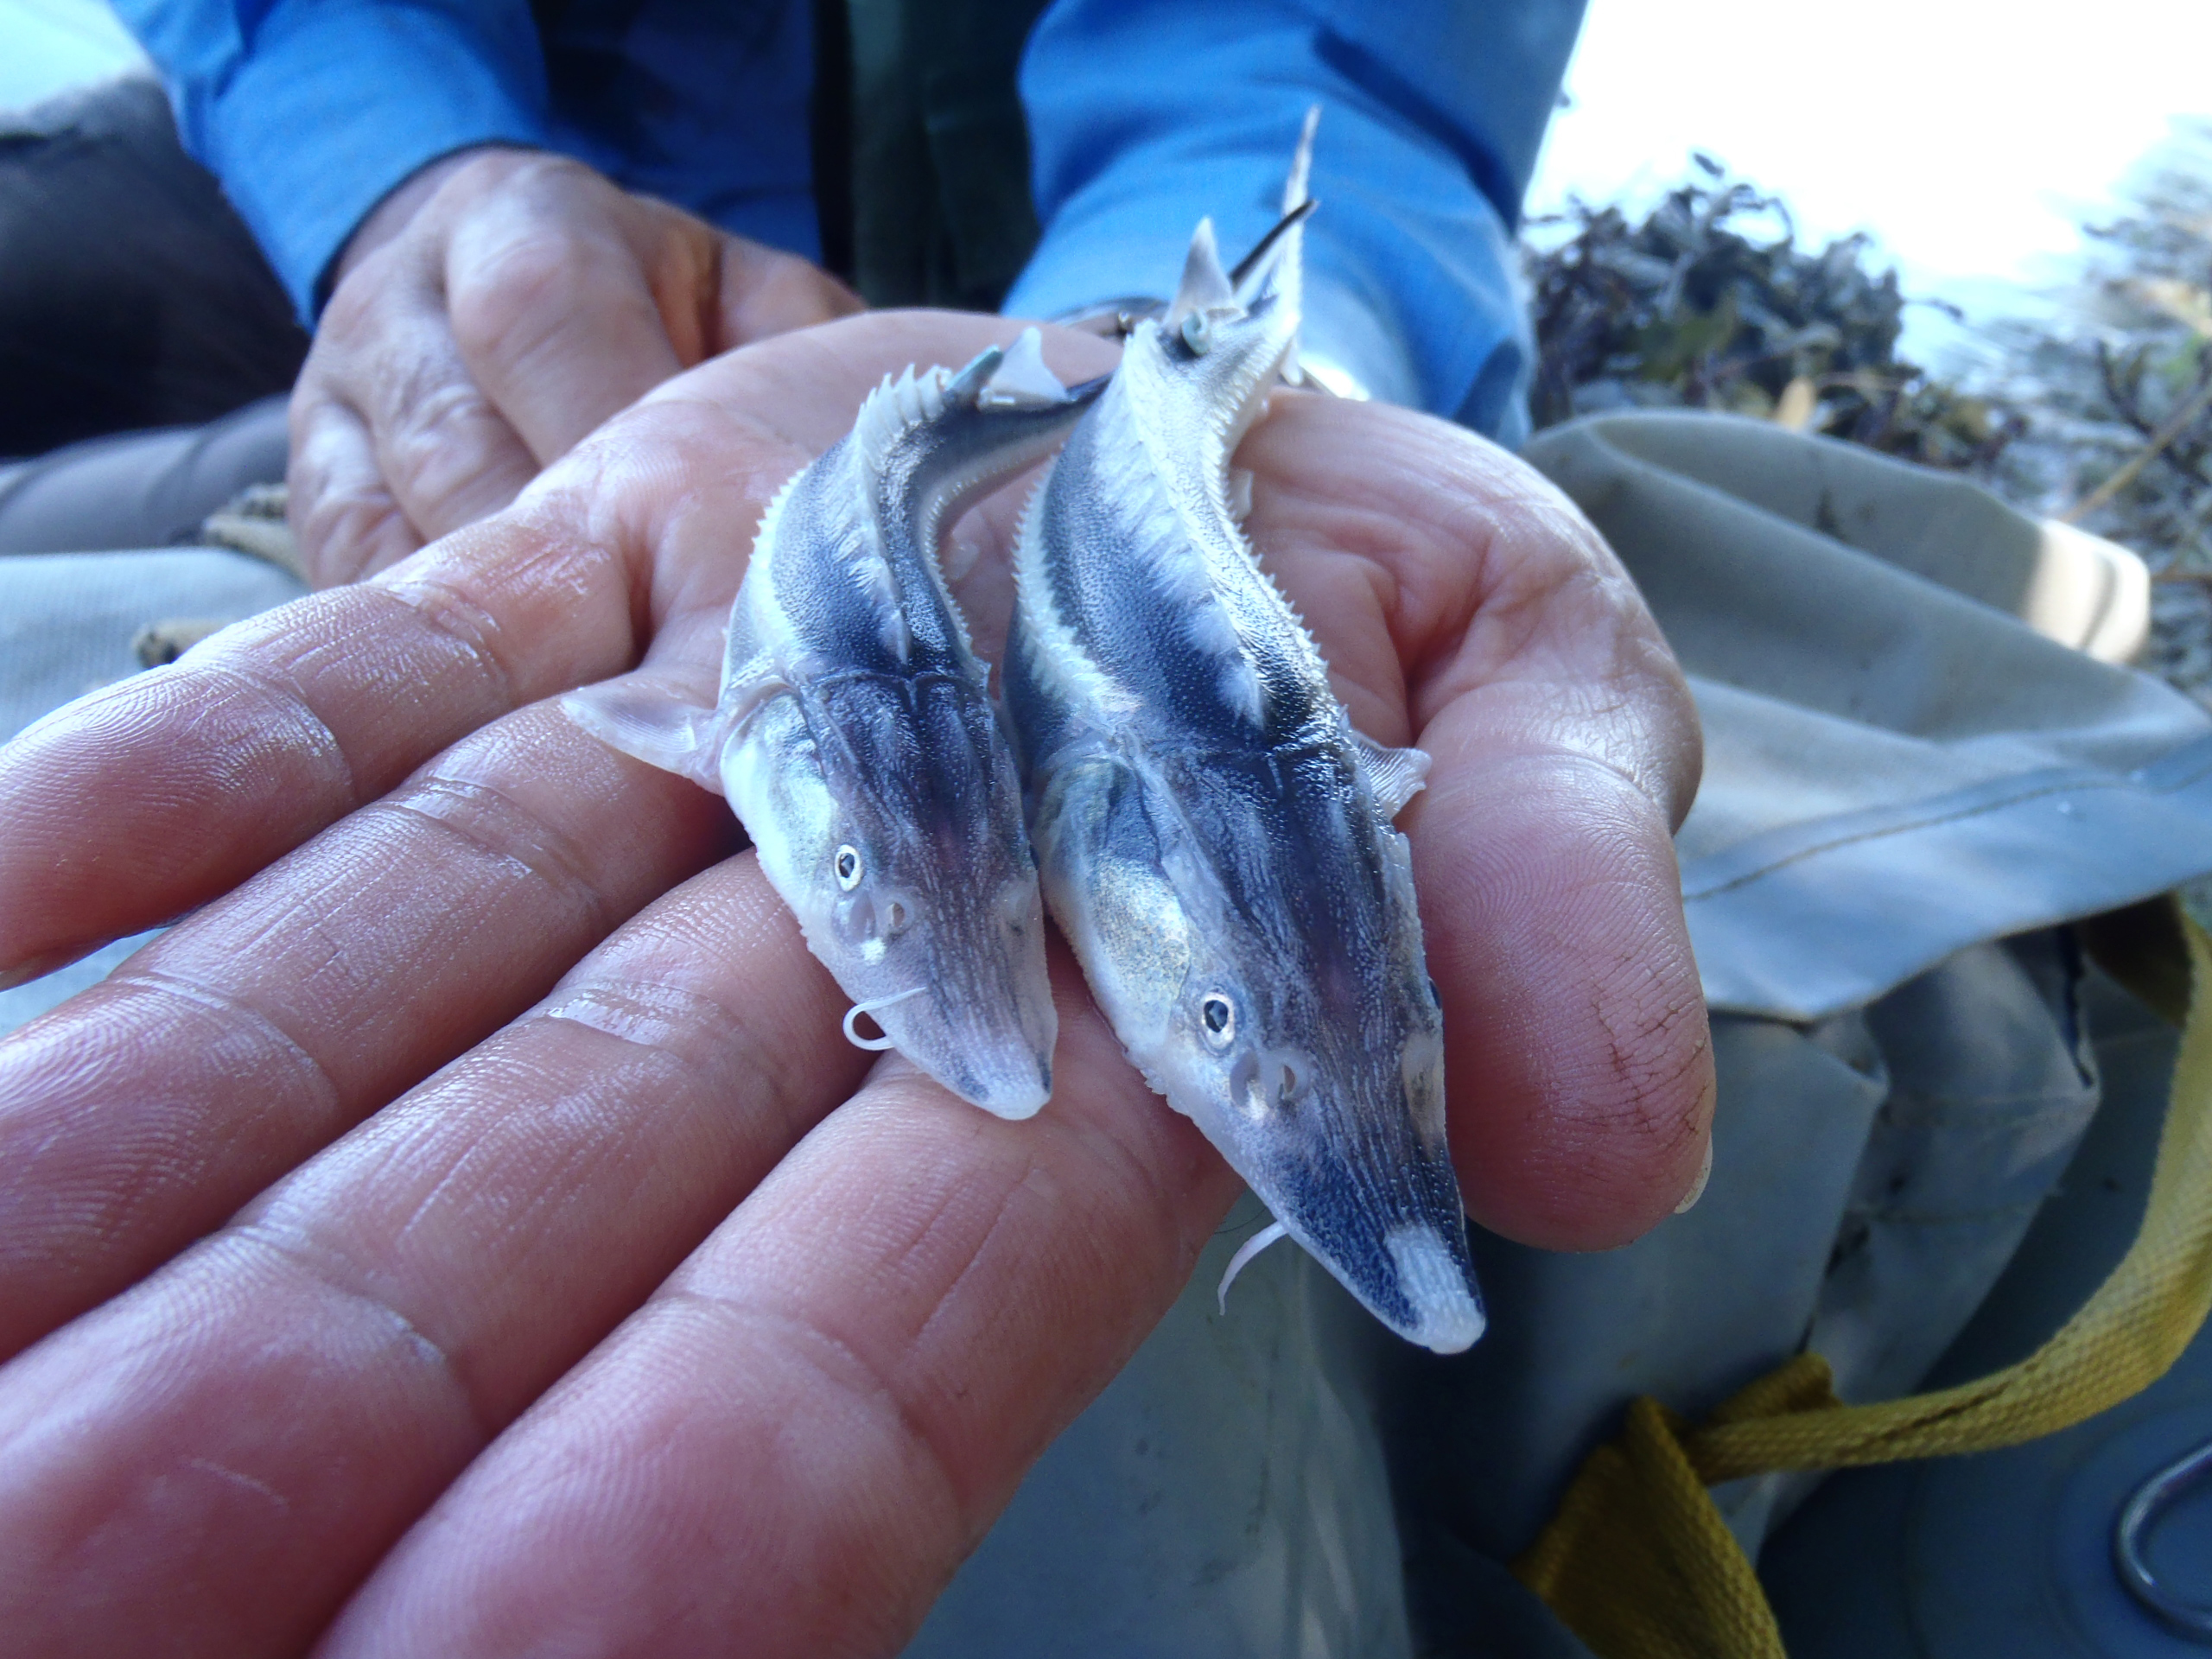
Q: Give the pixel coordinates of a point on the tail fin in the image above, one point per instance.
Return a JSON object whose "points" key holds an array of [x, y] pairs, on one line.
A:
{"points": [[1294, 190], [1277, 259]]}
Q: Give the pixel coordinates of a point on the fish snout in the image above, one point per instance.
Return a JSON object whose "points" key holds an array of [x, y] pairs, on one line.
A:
{"points": [[997, 1056], [1437, 1285], [1014, 1091], [981, 1018], [1386, 1220], [1016, 1026], [991, 1057]]}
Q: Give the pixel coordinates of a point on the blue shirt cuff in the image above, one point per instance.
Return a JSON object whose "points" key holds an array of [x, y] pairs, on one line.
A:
{"points": [[1412, 276]]}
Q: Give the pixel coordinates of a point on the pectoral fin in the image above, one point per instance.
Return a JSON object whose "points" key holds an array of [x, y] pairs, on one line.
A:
{"points": [[644, 719], [1396, 775]]}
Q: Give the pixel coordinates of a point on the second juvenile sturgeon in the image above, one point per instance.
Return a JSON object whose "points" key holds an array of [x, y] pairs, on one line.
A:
{"points": [[855, 737], [1214, 839]]}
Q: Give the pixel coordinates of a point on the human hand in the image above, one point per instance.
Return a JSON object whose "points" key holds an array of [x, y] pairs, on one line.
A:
{"points": [[493, 309], [589, 1292]]}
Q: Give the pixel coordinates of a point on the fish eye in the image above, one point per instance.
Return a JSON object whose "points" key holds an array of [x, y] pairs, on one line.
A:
{"points": [[846, 863], [1198, 332], [1218, 1015]]}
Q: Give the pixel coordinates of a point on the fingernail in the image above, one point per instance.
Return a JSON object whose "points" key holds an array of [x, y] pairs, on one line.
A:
{"points": [[1697, 1187]]}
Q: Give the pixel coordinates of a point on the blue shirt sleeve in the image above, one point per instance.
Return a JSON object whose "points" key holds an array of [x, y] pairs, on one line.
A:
{"points": [[311, 112], [1146, 115]]}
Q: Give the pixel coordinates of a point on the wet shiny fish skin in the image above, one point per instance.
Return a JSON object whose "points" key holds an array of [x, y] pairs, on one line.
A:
{"points": [[1214, 838], [855, 737]]}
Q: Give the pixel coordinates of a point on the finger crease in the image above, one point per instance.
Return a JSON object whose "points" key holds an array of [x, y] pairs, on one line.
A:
{"points": [[246, 1019], [336, 1274], [313, 734], [443, 610], [487, 821], [645, 1015], [842, 1368]]}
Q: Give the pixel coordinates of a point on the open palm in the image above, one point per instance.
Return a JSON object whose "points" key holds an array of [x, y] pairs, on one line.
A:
{"points": [[468, 1231]]}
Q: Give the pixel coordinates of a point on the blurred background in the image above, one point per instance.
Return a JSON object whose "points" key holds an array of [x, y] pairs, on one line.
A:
{"points": [[56, 45], [1986, 246]]}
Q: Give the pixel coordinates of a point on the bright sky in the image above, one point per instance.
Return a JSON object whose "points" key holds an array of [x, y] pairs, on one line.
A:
{"points": [[1970, 137], [49, 46]]}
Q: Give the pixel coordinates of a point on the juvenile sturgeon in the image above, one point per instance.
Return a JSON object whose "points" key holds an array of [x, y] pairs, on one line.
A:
{"points": [[855, 737], [1214, 839]]}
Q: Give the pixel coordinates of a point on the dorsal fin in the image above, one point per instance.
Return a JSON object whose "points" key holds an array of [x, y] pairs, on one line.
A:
{"points": [[1205, 285], [1275, 259], [1021, 380]]}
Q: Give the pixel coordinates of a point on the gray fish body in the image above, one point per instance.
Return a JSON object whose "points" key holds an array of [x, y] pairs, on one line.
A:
{"points": [[1215, 840], [856, 736]]}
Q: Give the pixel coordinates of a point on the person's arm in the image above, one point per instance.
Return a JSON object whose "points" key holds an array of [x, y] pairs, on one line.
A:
{"points": [[312, 113], [489, 302], [1144, 115]]}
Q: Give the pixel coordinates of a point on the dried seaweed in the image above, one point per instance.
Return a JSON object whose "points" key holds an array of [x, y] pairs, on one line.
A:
{"points": [[2120, 385], [1694, 308], [2094, 405]]}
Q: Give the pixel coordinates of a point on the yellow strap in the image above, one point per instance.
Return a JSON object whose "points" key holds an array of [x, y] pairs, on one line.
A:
{"points": [[1638, 1561]]}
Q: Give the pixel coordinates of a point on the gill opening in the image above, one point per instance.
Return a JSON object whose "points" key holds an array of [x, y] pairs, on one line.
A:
{"points": [[874, 1045]]}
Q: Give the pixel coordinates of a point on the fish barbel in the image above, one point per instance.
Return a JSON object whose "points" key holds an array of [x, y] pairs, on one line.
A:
{"points": [[855, 737], [1214, 837]]}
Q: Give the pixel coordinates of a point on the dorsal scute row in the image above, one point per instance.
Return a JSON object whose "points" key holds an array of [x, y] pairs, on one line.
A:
{"points": [[892, 410], [1164, 543], [895, 409]]}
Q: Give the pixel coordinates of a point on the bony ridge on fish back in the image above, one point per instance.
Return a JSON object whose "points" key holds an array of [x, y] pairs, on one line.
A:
{"points": [[855, 737], [1214, 838]]}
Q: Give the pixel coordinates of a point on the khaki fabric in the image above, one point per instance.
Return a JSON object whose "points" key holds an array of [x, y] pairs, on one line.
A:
{"points": [[1909, 746], [139, 489], [1639, 1560]]}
